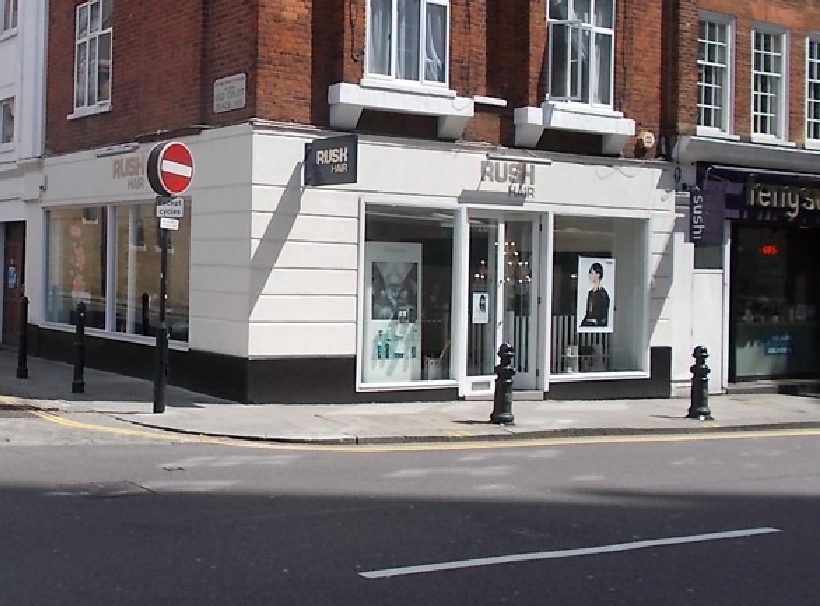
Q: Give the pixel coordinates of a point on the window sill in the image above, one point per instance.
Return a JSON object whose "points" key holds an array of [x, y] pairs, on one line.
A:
{"points": [[82, 112], [771, 140], [406, 386], [347, 101], [715, 133], [531, 122], [812, 144], [117, 336], [9, 33], [598, 376], [407, 86]]}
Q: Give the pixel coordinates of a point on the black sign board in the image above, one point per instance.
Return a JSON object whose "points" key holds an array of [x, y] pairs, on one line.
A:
{"points": [[706, 214], [332, 161]]}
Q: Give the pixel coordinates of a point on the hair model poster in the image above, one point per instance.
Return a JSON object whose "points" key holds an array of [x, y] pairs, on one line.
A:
{"points": [[596, 294]]}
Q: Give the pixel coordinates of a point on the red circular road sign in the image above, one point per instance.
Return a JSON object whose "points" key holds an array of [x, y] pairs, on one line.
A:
{"points": [[170, 168]]}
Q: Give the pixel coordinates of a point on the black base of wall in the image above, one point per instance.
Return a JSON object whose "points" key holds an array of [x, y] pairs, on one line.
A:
{"points": [[658, 385], [301, 380]]}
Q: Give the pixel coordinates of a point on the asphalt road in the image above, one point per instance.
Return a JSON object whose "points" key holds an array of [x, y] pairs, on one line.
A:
{"points": [[93, 521]]}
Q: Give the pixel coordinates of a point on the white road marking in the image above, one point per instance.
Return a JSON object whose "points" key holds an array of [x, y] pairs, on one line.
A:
{"points": [[565, 553]]}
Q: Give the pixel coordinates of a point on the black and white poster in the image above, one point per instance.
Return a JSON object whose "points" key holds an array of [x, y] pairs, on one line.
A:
{"points": [[596, 294], [395, 290]]}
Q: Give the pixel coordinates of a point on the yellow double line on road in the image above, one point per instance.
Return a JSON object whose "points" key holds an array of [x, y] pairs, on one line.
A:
{"points": [[426, 446]]}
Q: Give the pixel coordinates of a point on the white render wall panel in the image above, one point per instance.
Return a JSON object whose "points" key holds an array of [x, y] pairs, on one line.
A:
{"points": [[222, 253], [309, 309], [210, 278], [231, 307], [302, 339], [219, 336], [311, 282], [305, 255], [271, 227]]}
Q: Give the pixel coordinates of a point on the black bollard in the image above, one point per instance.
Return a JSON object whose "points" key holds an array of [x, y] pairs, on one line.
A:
{"points": [[22, 341], [146, 322], [699, 392], [502, 399], [78, 384]]}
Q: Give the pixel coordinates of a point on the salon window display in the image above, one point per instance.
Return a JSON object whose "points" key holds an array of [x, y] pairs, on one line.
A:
{"points": [[406, 299], [599, 298]]}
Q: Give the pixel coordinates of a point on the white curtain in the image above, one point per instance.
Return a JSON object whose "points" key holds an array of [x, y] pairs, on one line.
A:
{"points": [[380, 28], [409, 25], [436, 52]]}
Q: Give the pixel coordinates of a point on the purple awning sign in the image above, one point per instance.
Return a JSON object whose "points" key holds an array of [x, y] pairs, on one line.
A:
{"points": [[706, 213]]}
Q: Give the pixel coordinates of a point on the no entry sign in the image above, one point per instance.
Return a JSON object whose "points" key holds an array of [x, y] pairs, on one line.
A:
{"points": [[170, 168]]}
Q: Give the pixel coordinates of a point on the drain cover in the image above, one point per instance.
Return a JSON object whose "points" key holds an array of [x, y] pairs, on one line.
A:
{"points": [[14, 413]]}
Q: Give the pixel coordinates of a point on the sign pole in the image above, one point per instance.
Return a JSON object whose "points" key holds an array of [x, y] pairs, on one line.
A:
{"points": [[162, 329], [170, 168]]}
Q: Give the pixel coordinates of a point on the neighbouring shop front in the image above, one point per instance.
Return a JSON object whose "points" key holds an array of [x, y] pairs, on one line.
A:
{"points": [[774, 286]]}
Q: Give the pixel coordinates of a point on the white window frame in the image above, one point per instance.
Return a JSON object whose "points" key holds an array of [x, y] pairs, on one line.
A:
{"points": [[83, 108], [12, 8], [812, 142], [391, 78], [726, 126], [592, 29], [781, 97], [7, 145]]}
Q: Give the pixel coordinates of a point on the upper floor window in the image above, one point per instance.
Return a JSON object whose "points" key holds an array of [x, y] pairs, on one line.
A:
{"points": [[92, 58], [713, 74], [7, 121], [813, 89], [581, 42], [768, 94], [408, 39], [8, 20]]}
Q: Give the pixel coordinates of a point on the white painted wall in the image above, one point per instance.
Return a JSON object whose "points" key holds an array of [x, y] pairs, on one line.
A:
{"points": [[22, 76], [274, 264], [221, 248], [303, 294]]}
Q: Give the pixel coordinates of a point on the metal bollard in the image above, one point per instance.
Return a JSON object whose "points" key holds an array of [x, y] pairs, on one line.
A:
{"points": [[502, 398], [699, 391], [146, 322], [22, 341], [78, 384]]}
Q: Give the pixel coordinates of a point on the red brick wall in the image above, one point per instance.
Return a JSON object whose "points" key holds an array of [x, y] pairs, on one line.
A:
{"points": [[797, 17], [165, 56], [293, 50]]}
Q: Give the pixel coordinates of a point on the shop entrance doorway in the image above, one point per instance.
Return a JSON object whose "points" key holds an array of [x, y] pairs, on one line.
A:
{"points": [[504, 287], [13, 279]]}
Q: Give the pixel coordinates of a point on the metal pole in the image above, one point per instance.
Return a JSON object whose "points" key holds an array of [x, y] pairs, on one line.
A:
{"points": [[162, 329], [78, 384], [22, 341]]}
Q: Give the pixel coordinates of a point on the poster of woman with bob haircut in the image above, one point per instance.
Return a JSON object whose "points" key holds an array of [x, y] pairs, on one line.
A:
{"points": [[596, 294]]}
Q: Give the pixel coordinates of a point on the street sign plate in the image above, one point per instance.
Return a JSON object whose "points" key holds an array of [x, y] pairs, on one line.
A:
{"points": [[167, 223], [170, 207]]}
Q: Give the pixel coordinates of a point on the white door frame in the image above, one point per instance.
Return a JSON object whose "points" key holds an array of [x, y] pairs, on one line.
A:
{"points": [[483, 385]]}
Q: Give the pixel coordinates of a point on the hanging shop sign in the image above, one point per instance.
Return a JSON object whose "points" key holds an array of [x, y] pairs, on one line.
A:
{"points": [[332, 161], [706, 214]]}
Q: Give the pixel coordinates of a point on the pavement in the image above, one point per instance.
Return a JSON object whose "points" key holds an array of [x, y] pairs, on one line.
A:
{"points": [[127, 399]]}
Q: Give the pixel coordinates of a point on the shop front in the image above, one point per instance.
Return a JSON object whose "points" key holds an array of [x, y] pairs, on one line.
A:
{"points": [[563, 276], [398, 282], [773, 287]]}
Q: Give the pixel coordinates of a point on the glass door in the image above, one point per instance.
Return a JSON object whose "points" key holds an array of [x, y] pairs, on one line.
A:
{"points": [[502, 297], [519, 295]]}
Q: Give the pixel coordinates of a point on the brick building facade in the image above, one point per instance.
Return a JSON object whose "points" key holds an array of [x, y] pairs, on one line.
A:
{"points": [[581, 126]]}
